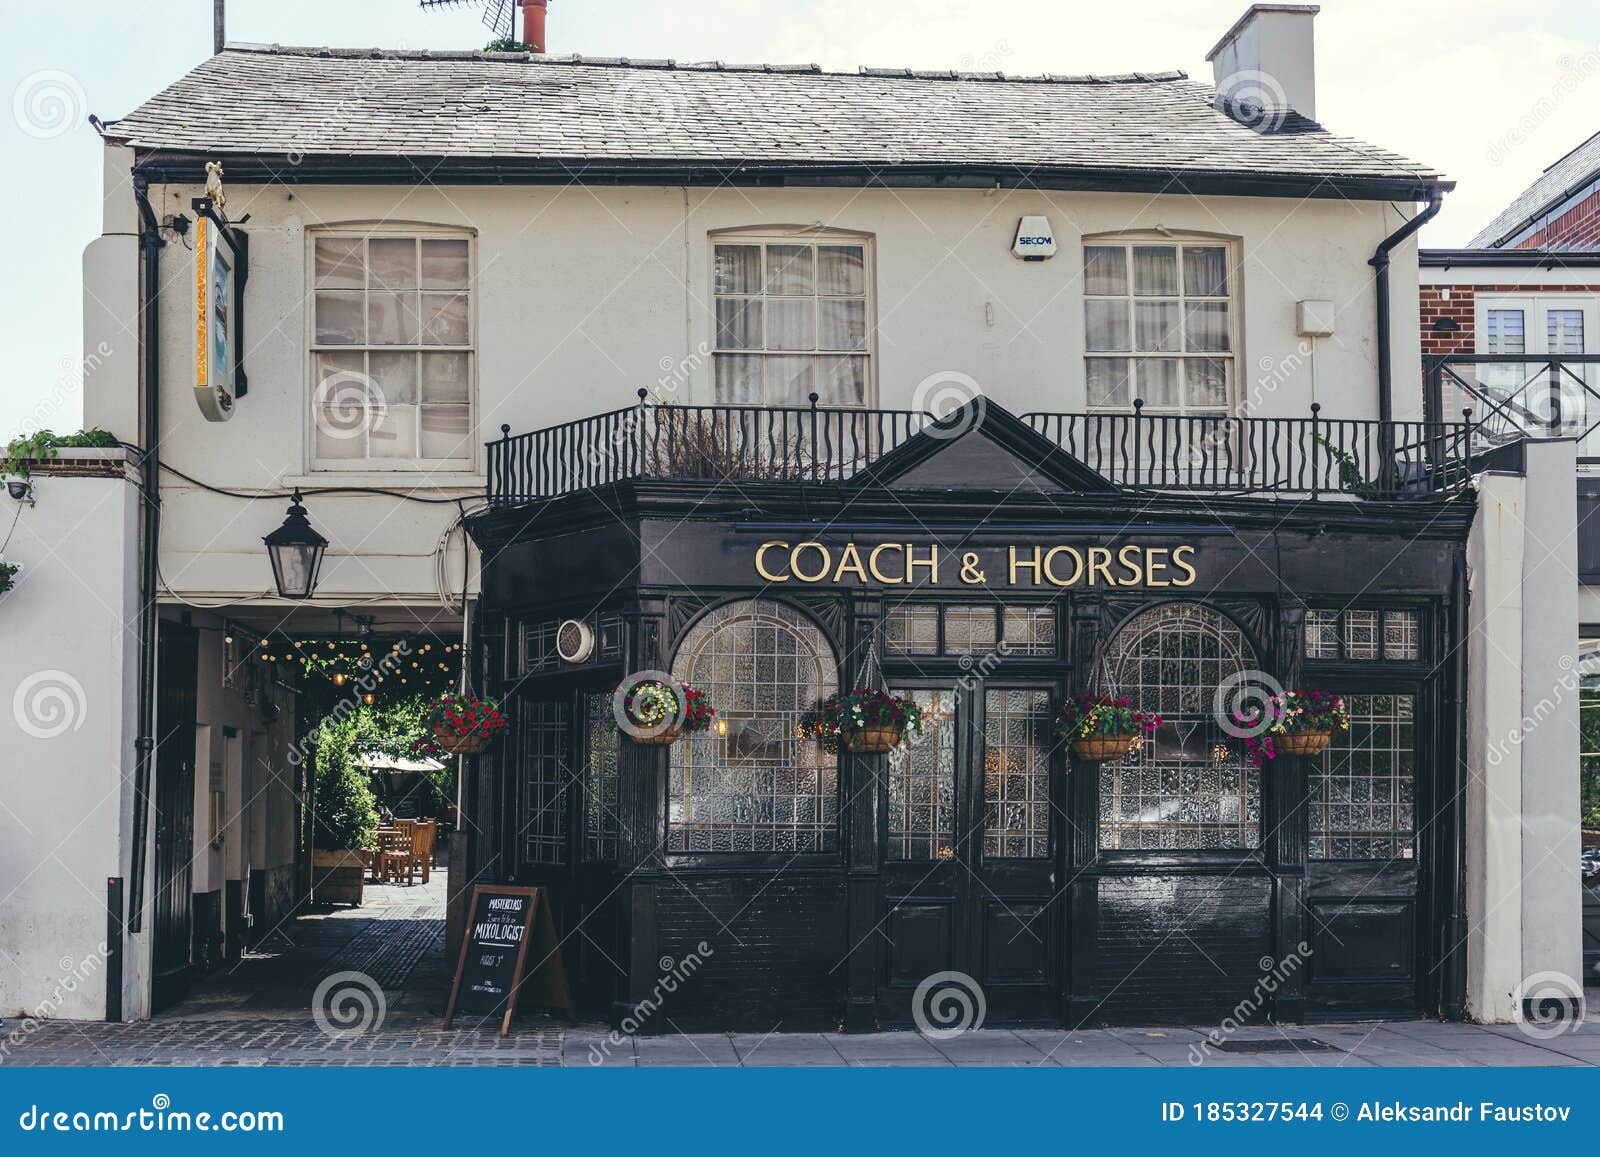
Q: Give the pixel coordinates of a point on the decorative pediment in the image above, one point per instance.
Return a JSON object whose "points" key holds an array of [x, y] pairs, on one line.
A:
{"points": [[982, 446]]}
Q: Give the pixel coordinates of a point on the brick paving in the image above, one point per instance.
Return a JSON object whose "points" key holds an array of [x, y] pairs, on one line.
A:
{"points": [[259, 1012]]}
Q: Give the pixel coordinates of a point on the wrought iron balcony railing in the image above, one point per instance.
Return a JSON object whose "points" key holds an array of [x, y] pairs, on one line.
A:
{"points": [[1510, 397], [1293, 457]]}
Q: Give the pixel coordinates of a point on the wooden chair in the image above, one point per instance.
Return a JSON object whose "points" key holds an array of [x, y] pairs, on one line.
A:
{"points": [[396, 854], [426, 833]]}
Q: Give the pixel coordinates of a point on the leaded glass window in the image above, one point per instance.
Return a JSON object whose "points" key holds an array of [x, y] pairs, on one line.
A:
{"points": [[544, 735], [922, 783], [1030, 630], [1017, 746], [912, 630], [970, 629], [764, 786], [601, 822], [1363, 798], [1364, 635], [1174, 791]]}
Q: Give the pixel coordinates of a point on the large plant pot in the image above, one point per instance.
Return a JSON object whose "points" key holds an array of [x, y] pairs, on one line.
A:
{"points": [[337, 877], [1102, 748], [459, 744], [1302, 743], [873, 740], [659, 737]]}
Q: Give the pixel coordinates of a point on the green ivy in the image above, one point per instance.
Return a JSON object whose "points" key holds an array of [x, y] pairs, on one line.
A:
{"points": [[8, 576], [21, 453]]}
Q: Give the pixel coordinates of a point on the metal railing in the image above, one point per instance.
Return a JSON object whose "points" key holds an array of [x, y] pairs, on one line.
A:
{"points": [[1311, 456], [1506, 398]]}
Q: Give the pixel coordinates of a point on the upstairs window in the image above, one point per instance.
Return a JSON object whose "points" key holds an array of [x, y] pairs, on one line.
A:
{"points": [[793, 318], [392, 352], [1159, 325]]}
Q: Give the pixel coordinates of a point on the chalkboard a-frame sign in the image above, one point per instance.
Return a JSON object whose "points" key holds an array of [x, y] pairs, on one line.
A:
{"points": [[503, 922]]}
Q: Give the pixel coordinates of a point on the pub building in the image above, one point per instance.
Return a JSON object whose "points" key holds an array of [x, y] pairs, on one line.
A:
{"points": [[978, 565]]}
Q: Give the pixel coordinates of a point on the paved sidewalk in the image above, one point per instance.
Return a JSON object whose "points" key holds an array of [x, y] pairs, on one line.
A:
{"points": [[392, 950]]}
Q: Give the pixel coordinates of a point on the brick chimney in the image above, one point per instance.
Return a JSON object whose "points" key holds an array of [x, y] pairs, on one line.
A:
{"points": [[533, 12]]}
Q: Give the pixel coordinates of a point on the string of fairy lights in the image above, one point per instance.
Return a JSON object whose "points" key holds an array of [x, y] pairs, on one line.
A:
{"points": [[411, 665]]}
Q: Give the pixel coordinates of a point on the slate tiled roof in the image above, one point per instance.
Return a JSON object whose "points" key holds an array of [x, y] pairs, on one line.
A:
{"points": [[1573, 172], [310, 102]]}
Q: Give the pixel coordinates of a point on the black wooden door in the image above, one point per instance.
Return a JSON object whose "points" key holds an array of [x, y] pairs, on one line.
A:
{"points": [[1364, 891], [174, 812], [968, 842]]}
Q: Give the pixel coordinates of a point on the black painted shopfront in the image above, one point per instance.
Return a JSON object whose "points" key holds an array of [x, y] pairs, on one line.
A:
{"points": [[990, 573]]}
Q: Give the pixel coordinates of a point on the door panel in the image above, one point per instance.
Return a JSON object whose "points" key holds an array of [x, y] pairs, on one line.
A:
{"points": [[176, 657], [969, 847], [1363, 887]]}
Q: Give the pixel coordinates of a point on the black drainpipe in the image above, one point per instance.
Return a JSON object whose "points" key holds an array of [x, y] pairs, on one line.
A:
{"points": [[150, 246], [1380, 262]]}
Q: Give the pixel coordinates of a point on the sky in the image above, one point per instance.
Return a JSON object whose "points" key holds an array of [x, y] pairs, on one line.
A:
{"points": [[1490, 93]]}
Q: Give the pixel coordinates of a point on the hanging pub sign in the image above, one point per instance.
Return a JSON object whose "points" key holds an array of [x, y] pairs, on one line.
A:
{"points": [[221, 264], [912, 564], [502, 922]]}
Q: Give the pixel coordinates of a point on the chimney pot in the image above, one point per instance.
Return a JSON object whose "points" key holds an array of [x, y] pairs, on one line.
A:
{"points": [[1265, 65], [533, 13]]}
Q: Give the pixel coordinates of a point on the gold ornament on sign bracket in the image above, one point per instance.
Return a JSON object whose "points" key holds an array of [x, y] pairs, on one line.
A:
{"points": [[214, 185]]}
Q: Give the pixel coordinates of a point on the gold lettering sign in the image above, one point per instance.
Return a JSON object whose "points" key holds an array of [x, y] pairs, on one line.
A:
{"points": [[897, 563]]}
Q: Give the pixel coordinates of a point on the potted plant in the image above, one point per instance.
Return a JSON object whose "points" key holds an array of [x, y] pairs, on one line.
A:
{"points": [[1099, 728], [656, 713], [464, 725], [869, 722], [346, 817], [1293, 723], [8, 575]]}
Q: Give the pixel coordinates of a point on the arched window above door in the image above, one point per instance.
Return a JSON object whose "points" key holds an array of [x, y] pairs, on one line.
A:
{"points": [[762, 786], [1178, 790]]}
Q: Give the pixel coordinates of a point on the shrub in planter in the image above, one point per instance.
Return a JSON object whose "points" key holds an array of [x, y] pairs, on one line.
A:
{"points": [[346, 817], [462, 725], [656, 713], [869, 722], [1293, 723], [1100, 728]]}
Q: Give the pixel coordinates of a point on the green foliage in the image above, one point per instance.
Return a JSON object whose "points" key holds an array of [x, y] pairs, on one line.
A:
{"points": [[507, 44], [1349, 471], [21, 453], [347, 811], [1589, 763], [401, 731], [8, 576]]}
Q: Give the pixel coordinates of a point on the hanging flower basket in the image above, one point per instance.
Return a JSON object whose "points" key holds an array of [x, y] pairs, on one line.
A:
{"points": [[1102, 748], [1295, 723], [868, 722], [1303, 743], [655, 712], [463, 725], [1100, 728]]}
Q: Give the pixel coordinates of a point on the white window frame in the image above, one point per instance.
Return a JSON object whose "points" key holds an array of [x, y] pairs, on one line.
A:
{"points": [[797, 235], [421, 469], [1233, 356], [1535, 309]]}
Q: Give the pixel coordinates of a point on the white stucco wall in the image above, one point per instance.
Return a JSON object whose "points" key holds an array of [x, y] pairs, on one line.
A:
{"points": [[1523, 887], [585, 295], [68, 631]]}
